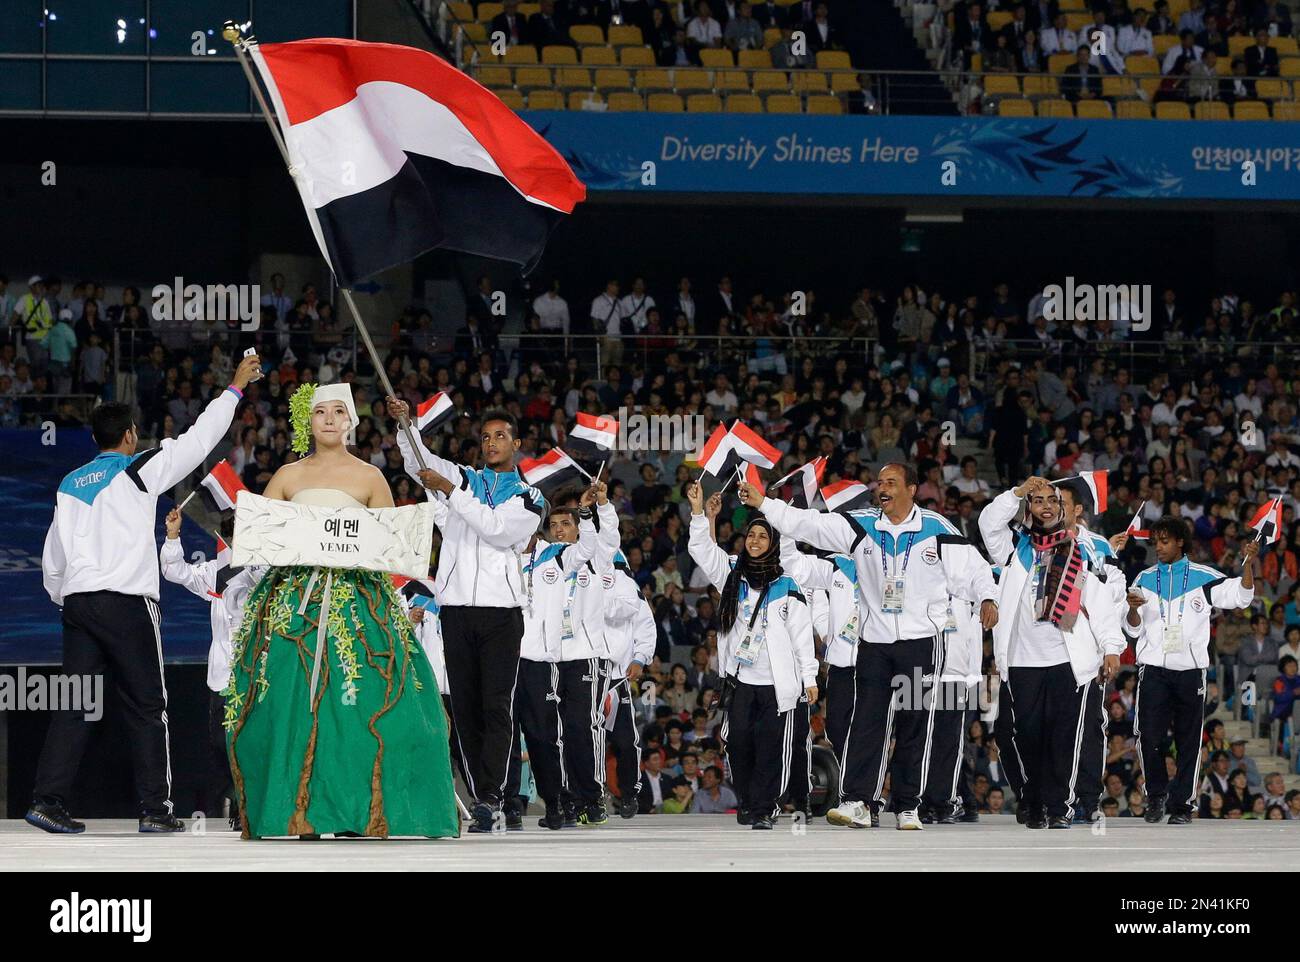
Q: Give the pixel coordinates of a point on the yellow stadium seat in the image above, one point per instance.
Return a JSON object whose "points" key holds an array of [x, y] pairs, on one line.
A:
{"points": [[490, 75], [571, 78], [511, 98], [1290, 67], [1093, 110], [1172, 110], [833, 60], [599, 57], [546, 100], [526, 10], [824, 104], [653, 80], [636, 56], [560, 54], [488, 11], [1272, 88], [1237, 45], [769, 80], [843, 81], [998, 19], [1118, 88], [1177, 8], [1068, 5], [461, 10], [1055, 107], [977, 63], [771, 37], [1040, 85], [585, 33], [527, 78], [1286, 111], [475, 32], [1285, 46], [784, 104], [1001, 84], [622, 101], [754, 58], [524, 53], [1162, 42], [1133, 110], [1250, 110], [1211, 110], [625, 35], [731, 80], [689, 78], [585, 100], [716, 58], [665, 104], [704, 104], [744, 104], [1077, 21], [1057, 62], [613, 78], [809, 82], [1142, 64], [1015, 107]]}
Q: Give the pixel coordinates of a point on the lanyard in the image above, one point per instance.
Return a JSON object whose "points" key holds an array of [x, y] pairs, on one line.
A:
{"points": [[744, 593], [532, 561], [906, 554], [488, 493], [1182, 602]]}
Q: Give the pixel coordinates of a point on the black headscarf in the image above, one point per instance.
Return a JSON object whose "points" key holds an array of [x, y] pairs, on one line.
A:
{"points": [[757, 572]]}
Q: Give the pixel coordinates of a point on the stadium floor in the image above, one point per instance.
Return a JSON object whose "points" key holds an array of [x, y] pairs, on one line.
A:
{"points": [[702, 841]]}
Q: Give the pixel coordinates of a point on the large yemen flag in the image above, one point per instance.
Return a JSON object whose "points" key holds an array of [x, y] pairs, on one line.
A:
{"points": [[396, 152]]}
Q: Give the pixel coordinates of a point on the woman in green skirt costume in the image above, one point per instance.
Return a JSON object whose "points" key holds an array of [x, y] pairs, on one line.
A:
{"points": [[366, 752]]}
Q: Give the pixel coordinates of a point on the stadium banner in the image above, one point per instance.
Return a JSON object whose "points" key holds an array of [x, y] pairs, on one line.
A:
{"points": [[990, 156]]}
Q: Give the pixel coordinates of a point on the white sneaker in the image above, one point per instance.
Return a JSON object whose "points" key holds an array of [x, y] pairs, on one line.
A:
{"points": [[853, 814], [909, 821]]}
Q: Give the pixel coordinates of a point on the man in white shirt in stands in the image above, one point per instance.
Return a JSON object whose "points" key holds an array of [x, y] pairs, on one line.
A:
{"points": [[1059, 38], [607, 318], [703, 30], [637, 304], [1134, 38], [552, 310], [1186, 48]]}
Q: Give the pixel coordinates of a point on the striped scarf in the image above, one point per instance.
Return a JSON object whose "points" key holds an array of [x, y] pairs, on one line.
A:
{"points": [[1058, 595]]}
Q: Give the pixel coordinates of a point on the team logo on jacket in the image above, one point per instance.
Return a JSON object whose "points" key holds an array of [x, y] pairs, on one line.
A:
{"points": [[785, 611], [549, 576], [1198, 605], [583, 579], [838, 583], [930, 555], [607, 580]]}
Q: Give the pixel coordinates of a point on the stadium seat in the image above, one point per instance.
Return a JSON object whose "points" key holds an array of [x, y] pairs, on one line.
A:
{"points": [[510, 97], [621, 101], [1067, 6], [1015, 107], [586, 33], [1250, 110], [977, 63], [545, 100], [665, 104], [1133, 110], [1285, 46], [784, 104], [1077, 21], [1055, 107], [771, 37], [560, 54], [1286, 111], [716, 58], [1041, 85], [752, 59], [487, 12], [744, 104], [636, 56], [461, 10], [1142, 64], [526, 10], [1172, 110], [1272, 88], [653, 80], [573, 78], [613, 78], [490, 75], [528, 78], [1118, 88], [1162, 42], [1001, 84], [998, 19], [625, 35], [1290, 67], [1057, 62], [1177, 8], [833, 60], [809, 82], [844, 81], [1237, 45], [690, 78], [585, 100], [524, 53], [769, 80], [731, 80], [824, 104], [475, 33], [599, 57], [1211, 110], [1093, 110], [704, 104]]}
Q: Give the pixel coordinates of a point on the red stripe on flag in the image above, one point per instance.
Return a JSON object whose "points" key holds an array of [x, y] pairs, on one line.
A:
{"points": [[760, 448]]}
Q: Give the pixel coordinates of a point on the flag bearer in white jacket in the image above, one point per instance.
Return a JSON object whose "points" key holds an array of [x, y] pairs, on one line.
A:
{"points": [[1058, 632], [1169, 610], [765, 652], [630, 632], [908, 561]]}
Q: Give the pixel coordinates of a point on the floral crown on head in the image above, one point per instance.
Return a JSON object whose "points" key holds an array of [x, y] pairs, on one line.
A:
{"points": [[300, 417]]}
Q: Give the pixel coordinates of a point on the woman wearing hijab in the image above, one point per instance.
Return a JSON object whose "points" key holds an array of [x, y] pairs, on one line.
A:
{"points": [[765, 652]]}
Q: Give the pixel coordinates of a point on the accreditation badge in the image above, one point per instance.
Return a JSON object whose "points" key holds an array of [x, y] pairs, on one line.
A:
{"points": [[1173, 639], [891, 599]]}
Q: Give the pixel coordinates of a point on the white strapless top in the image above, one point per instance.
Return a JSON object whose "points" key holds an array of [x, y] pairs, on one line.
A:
{"points": [[326, 498]]}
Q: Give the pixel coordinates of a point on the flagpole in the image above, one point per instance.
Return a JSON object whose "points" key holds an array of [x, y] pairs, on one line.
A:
{"points": [[232, 32], [189, 497]]}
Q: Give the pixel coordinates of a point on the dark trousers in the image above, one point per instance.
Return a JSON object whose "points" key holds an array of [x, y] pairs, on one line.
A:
{"points": [[1044, 708], [219, 784], [537, 708], [481, 648], [102, 630], [799, 785], [1164, 696], [1092, 753], [892, 707], [758, 743], [841, 699], [943, 783], [625, 743], [580, 686]]}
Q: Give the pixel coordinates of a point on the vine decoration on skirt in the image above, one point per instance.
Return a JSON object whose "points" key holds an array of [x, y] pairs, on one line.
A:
{"points": [[300, 417]]}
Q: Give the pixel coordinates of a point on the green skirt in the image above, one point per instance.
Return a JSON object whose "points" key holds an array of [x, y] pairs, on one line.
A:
{"points": [[369, 752]]}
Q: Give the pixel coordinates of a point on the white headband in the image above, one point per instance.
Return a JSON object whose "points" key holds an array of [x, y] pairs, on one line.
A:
{"points": [[343, 393]]}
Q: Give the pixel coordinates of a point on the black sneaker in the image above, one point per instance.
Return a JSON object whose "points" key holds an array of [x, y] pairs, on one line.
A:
{"points": [[482, 819], [163, 823], [1155, 810], [875, 818], [53, 818], [627, 806], [743, 817], [1180, 818], [763, 823], [593, 814], [553, 819], [1036, 820], [928, 815], [514, 820], [1059, 821], [570, 814], [968, 816], [1085, 814]]}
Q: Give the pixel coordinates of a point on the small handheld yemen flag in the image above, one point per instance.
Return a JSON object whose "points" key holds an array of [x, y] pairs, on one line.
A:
{"points": [[716, 456], [552, 471], [221, 486], [752, 448], [1089, 489], [751, 475], [224, 573], [396, 152], [846, 495], [433, 412], [594, 434], [1268, 521], [1135, 529], [808, 479]]}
